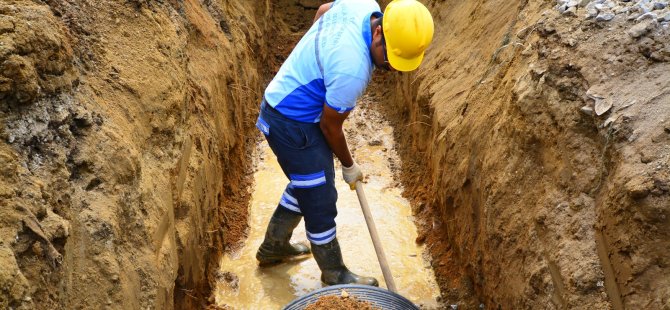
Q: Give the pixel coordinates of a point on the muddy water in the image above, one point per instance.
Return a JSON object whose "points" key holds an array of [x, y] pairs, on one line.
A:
{"points": [[244, 285]]}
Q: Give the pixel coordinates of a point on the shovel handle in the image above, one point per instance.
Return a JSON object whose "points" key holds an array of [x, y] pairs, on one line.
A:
{"points": [[388, 278]]}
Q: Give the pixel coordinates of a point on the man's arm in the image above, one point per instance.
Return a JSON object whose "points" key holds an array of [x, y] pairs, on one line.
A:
{"points": [[331, 126], [322, 10]]}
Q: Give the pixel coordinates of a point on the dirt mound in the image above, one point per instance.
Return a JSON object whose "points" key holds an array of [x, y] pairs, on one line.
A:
{"points": [[536, 149], [340, 303]]}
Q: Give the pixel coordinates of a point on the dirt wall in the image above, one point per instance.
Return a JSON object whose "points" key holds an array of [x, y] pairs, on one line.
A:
{"points": [[123, 148], [527, 198]]}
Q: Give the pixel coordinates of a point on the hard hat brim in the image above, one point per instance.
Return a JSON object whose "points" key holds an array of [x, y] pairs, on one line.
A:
{"points": [[403, 64]]}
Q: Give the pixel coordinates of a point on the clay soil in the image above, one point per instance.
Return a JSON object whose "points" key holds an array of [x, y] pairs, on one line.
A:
{"points": [[340, 303], [526, 198], [123, 151]]}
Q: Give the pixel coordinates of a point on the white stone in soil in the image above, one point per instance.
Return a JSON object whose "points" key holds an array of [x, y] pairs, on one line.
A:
{"points": [[639, 30], [602, 106], [571, 11], [605, 17], [659, 5], [622, 10], [562, 8], [609, 121], [584, 3], [649, 15], [591, 10], [587, 110], [645, 5]]}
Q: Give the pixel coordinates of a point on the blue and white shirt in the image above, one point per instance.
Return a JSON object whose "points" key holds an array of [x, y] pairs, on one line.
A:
{"points": [[331, 64]]}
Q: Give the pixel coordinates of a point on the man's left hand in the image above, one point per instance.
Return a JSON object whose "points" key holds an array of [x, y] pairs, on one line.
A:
{"points": [[352, 175]]}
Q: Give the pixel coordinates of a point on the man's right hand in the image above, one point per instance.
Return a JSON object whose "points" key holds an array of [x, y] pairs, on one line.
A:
{"points": [[352, 175]]}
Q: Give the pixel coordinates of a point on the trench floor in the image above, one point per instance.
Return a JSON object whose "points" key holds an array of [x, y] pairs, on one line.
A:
{"points": [[244, 285]]}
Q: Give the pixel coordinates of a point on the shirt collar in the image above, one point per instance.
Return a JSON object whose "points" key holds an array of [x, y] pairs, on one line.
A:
{"points": [[367, 34]]}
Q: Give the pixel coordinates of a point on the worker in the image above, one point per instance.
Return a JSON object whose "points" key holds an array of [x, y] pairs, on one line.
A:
{"points": [[305, 105]]}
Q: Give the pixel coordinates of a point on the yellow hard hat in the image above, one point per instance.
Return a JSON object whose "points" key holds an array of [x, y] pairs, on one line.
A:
{"points": [[408, 29]]}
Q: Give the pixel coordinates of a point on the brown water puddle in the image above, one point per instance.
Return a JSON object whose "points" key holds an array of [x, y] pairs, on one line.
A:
{"points": [[246, 286]]}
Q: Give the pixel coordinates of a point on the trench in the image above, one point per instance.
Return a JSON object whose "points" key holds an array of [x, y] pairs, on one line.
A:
{"points": [[242, 284], [124, 159]]}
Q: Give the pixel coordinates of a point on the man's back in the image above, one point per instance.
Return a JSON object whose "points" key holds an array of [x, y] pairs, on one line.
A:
{"points": [[331, 64]]}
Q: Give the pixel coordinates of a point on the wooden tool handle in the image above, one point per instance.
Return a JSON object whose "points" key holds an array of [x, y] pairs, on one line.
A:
{"points": [[388, 278]]}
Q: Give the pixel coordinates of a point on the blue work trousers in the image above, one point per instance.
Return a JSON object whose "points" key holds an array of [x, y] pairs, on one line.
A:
{"points": [[307, 161]]}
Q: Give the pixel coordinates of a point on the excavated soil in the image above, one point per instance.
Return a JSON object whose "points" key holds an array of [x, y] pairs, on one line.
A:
{"points": [[535, 147], [340, 303]]}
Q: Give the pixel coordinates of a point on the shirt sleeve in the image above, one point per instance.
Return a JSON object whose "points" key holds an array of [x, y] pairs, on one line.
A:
{"points": [[343, 90]]}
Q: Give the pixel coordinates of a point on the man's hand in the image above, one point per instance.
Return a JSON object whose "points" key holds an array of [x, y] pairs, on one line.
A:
{"points": [[352, 175]]}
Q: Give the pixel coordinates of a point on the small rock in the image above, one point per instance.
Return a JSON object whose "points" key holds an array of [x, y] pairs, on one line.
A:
{"points": [[609, 121], [660, 5], [602, 106], [622, 10], [646, 157], [587, 110], [375, 142], [638, 30], [639, 187], [645, 6], [584, 3], [604, 17], [571, 11], [650, 15], [591, 12], [420, 239]]}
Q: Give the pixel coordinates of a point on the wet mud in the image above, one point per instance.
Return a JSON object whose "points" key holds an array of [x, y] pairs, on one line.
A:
{"points": [[371, 140]]}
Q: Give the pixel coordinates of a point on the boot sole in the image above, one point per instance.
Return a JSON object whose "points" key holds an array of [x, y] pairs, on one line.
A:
{"points": [[276, 261]]}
